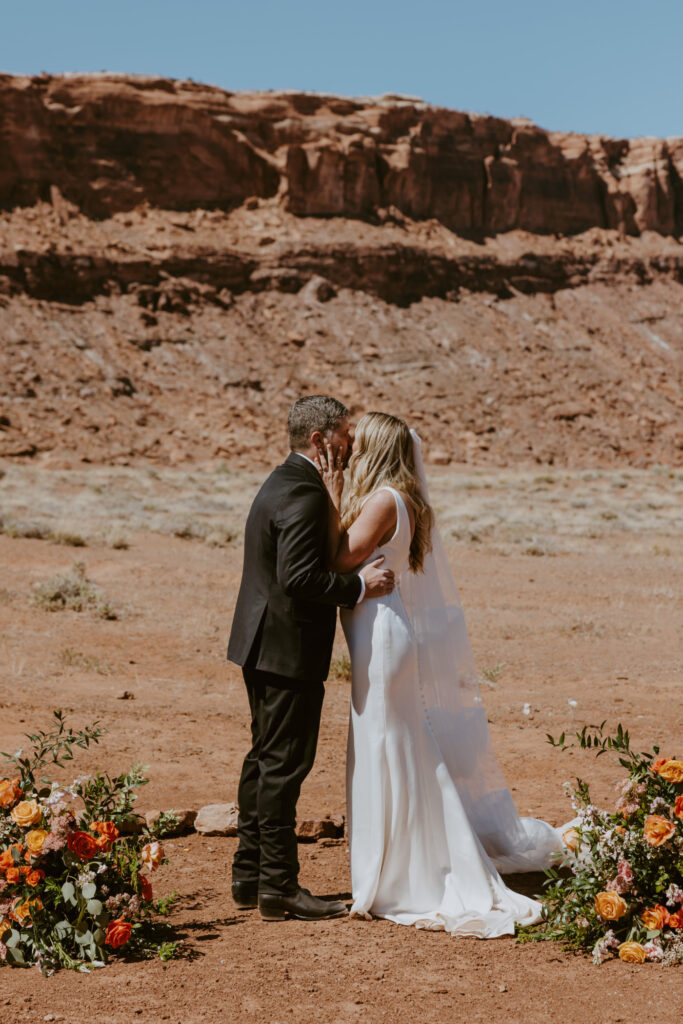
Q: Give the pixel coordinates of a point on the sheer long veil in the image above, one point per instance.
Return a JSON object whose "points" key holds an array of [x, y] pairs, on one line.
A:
{"points": [[449, 688]]}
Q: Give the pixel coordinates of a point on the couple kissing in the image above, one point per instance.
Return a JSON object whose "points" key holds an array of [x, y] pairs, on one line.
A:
{"points": [[431, 822]]}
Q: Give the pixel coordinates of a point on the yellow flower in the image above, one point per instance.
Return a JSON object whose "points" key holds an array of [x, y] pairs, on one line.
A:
{"points": [[26, 813], [671, 770], [658, 829], [35, 839], [571, 838], [632, 953], [610, 906]]}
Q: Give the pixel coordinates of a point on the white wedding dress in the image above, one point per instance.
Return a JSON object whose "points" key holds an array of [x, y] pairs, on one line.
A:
{"points": [[431, 821]]}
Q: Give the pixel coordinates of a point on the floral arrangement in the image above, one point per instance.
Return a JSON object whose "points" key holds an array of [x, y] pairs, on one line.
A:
{"points": [[72, 889], [619, 888]]}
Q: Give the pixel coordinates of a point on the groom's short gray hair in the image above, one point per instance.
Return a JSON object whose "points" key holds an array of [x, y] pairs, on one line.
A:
{"points": [[315, 412]]}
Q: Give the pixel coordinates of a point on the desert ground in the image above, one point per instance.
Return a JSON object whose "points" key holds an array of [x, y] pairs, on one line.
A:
{"points": [[570, 581]]}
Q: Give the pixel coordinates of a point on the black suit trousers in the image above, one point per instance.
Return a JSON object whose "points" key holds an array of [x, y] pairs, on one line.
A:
{"points": [[285, 719]]}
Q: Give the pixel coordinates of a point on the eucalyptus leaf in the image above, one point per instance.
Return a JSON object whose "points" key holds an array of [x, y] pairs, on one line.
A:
{"points": [[84, 939], [62, 929], [13, 939], [68, 892], [89, 890], [15, 956], [99, 935], [94, 907]]}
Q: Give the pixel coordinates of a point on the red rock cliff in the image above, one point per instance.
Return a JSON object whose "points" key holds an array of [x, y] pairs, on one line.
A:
{"points": [[110, 142]]}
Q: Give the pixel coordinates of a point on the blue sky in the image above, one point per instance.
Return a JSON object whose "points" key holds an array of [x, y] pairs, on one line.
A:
{"points": [[609, 66]]}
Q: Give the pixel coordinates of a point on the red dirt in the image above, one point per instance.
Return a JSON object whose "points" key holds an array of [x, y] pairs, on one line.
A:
{"points": [[188, 721]]}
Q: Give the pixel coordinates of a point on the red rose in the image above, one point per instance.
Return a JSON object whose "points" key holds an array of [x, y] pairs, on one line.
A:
{"points": [[118, 933], [146, 889], [83, 845]]}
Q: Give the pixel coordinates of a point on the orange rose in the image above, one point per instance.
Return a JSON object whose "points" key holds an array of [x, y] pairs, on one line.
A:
{"points": [[6, 858], [146, 889], [12, 875], [678, 806], [26, 813], [676, 920], [108, 833], [10, 791], [82, 844], [23, 910], [571, 839], [655, 917], [610, 906], [118, 933], [659, 763], [152, 855], [35, 839], [658, 829], [671, 770], [620, 829], [632, 953], [33, 877]]}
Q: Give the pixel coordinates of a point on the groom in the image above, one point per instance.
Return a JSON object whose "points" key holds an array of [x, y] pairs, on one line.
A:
{"points": [[282, 635]]}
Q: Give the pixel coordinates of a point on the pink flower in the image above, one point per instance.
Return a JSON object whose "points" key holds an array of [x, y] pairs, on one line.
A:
{"points": [[625, 870], [653, 951]]}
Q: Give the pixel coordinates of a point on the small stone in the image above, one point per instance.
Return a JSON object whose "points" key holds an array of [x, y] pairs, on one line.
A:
{"points": [[217, 820], [125, 695], [311, 831]]}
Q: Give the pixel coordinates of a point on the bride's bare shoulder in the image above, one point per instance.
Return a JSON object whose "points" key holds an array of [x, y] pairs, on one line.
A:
{"points": [[379, 504]]}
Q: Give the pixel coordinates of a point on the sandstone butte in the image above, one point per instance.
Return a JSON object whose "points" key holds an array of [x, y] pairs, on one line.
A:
{"points": [[177, 263], [111, 142]]}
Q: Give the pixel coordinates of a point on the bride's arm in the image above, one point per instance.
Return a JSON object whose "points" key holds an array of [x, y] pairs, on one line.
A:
{"points": [[348, 548]]}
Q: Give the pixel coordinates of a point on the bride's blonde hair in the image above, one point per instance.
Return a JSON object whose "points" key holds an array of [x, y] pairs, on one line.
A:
{"points": [[383, 456]]}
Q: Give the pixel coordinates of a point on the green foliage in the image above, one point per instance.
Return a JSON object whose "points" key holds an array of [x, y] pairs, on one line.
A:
{"points": [[164, 904], [55, 747]]}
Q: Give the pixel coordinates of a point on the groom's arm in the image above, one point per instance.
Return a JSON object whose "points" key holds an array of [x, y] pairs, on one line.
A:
{"points": [[301, 525]]}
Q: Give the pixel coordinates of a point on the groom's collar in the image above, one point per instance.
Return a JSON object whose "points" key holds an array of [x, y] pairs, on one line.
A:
{"points": [[302, 462]]}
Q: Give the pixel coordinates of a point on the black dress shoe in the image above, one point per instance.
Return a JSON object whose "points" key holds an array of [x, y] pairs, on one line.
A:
{"points": [[276, 906], [245, 894]]}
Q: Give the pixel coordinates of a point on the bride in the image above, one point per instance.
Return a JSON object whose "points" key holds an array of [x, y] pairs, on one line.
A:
{"points": [[431, 820]]}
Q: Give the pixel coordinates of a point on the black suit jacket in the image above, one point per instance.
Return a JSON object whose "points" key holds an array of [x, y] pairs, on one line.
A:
{"points": [[285, 615]]}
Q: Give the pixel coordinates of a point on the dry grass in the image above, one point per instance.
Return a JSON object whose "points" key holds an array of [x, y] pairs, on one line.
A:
{"points": [[70, 658], [73, 591], [340, 667], [508, 511]]}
